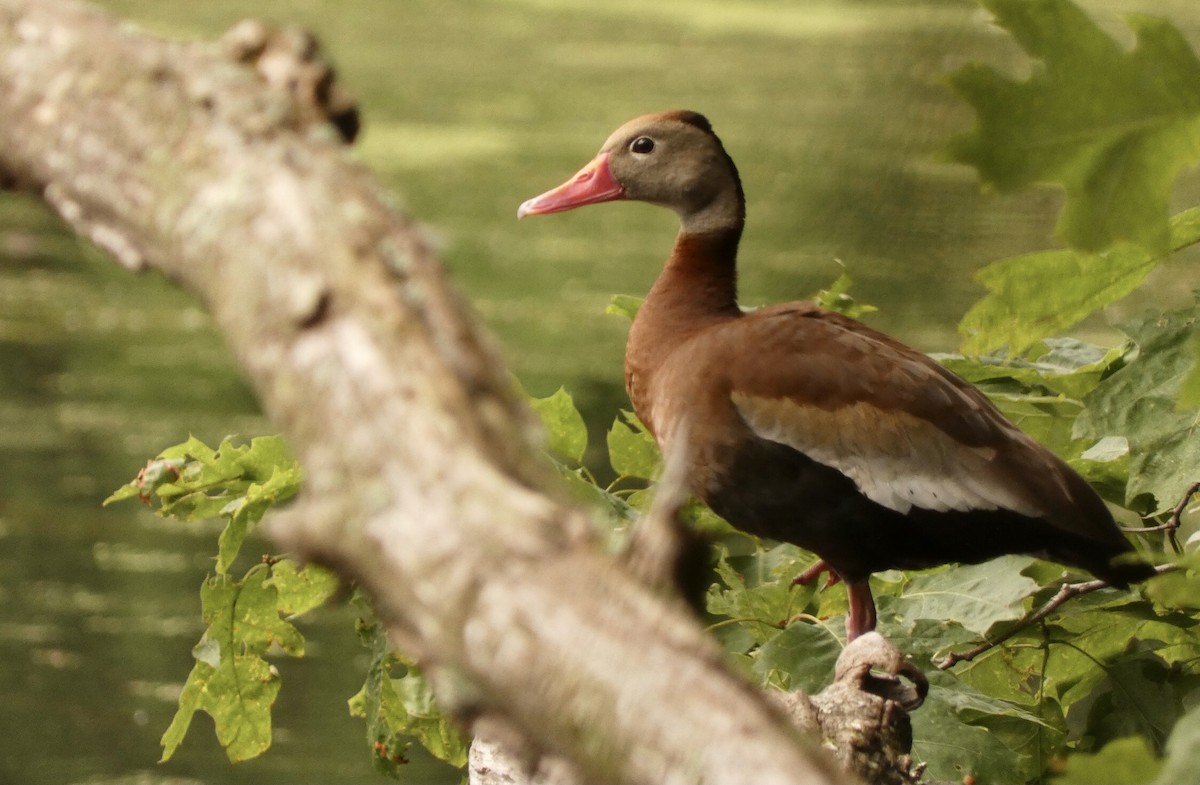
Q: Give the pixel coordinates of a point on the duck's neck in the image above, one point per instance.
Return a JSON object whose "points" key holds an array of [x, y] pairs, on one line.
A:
{"points": [[696, 289], [699, 282]]}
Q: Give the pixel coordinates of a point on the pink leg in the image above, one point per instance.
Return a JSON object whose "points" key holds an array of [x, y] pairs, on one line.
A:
{"points": [[814, 572], [862, 609]]}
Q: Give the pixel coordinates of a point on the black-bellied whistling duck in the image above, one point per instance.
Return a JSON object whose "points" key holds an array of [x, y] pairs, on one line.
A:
{"points": [[806, 426]]}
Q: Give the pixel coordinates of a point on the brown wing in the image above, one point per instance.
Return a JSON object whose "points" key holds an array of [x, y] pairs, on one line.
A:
{"points": [[906, 430]]}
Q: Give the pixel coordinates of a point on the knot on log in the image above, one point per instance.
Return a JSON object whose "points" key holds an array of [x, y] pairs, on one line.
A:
{"points": [[289, 60], [863, 716]]}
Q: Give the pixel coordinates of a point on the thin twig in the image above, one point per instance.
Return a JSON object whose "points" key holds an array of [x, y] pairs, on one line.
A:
{"points": [[1177, 514], [1070, 590], [1066, 592], [1162, 527], [1173, 522]]}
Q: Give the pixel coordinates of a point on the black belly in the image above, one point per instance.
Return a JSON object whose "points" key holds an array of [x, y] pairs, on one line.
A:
{"points": [[774, 491]]}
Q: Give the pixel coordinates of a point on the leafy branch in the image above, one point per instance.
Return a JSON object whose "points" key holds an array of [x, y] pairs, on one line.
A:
{"points": [[1173, 522], [1113, 127], [1065, 593], [249, 620]]}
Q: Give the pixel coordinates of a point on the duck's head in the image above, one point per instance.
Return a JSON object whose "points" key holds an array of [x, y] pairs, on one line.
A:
{"points": [[671, 159]]}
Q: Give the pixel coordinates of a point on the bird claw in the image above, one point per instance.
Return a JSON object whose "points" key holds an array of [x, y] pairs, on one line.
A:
{"points": [[876, 665], [861, 617], [814, 572]]}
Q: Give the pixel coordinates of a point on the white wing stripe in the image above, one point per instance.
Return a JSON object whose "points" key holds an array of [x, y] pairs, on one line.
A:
{"points": [[897, 460]]}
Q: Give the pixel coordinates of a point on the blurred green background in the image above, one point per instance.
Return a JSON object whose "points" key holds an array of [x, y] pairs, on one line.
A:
{"points": [[834, 111]]}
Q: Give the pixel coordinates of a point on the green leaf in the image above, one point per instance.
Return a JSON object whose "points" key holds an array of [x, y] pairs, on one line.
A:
{"points": [[757, 596], [800, 657], [976, 596], [565, 429], [926, 640], [695, 513], [1033, 742], [1040, 294], [1105, 633], [582, 488], [230, 541], [231, 681], [398, 708], [1030, 738], [389, 746], [238, 695], [245, 615], [300, 590], [1041, 392], [157, 473], [239, 482], [1113, 126], [632, 451], [1053, 368], [193, 450], [1008, 672], [1128, 761], [1107, 664], [1138, 402], [1182, 763], [239, 698], [268, 460], [189, 703], [624, 305], [1189, 391], [1032, 296], [245, 511], [955, 750], [411, 709], [837, 298], [1137, 696], [1180, 589], [1105, 465]]}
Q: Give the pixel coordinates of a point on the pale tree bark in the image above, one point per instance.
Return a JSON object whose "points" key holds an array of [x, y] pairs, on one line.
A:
{"points": [[217, 165]]}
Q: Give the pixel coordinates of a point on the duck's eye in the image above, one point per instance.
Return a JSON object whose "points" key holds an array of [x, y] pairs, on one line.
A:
{"points": [[642, 145]]}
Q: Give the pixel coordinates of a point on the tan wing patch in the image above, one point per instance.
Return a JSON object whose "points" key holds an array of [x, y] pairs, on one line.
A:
{"points": [[896, 460]]}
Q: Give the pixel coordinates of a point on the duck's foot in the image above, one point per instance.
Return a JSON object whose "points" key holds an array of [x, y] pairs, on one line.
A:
{"points": [[816, 571], [876, 666], [861, 618]]}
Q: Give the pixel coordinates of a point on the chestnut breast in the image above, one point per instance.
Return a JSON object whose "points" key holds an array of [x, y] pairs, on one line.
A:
{"points": [[683, 389]]}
